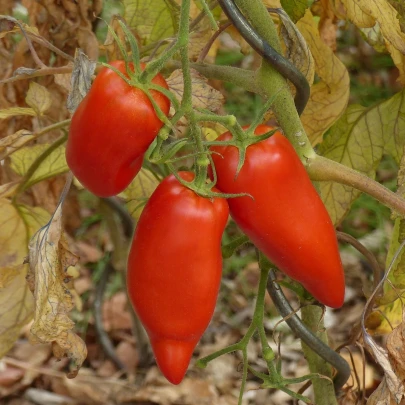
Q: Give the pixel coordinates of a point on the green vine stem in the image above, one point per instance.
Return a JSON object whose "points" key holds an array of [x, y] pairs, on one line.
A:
{"points": [[273, 379], [312, 317], [323, 169]]}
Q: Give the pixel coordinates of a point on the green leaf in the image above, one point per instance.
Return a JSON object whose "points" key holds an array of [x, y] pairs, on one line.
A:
{"points": [[358, 140], [152, 20], [139, 191], [53, 165], [295, 8]]}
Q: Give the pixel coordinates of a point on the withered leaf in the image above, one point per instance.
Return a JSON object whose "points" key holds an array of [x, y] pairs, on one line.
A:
{"points": [[83, 70], [204, 96], [329, 97], [51, 285]]}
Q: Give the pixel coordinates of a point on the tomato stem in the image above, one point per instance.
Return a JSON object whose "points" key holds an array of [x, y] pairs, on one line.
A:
{"points": [[273, 379], [119, 44], [208, 13], [134, 47]]}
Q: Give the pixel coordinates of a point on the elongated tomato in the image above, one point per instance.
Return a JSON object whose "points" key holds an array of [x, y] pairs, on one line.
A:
{"points": [[110, 131], [284, 217], [174, 270]]}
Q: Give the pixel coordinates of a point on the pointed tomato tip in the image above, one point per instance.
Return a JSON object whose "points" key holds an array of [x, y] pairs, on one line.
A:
{"points": [[173, 357], [334, 300]]}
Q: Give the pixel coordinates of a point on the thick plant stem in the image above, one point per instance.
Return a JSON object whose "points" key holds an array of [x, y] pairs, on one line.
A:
{"points": [[323, 169], [286, 114], [272, 82], [323, 388]]}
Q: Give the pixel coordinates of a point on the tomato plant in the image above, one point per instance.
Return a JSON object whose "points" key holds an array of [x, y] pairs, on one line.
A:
{"points": [[284, 215], [111, 129], [174, 270]]}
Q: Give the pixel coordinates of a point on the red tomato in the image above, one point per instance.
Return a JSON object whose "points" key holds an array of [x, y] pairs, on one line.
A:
{"points": [[174, 270], [110, 131], [286, 218]]}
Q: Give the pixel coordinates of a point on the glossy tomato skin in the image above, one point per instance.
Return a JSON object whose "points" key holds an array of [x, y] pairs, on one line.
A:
{"points": [[285, 219], [110, 131], [174, 270]]}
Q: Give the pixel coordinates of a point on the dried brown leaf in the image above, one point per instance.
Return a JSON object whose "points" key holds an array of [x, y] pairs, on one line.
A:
{"points": [[13, 142], [16, 111], [115, 313], [328, 24], [297, 49], [393, 381], [51, 284], [83, 70], [382, 395], [396, 350], [204, 96]]}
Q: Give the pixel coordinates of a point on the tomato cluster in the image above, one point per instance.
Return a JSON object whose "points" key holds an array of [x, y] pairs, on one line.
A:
{"points": [[175, 261]]}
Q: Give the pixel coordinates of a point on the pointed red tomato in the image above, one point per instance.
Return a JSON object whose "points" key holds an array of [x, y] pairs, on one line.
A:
{"points": [[174, 270], [285, 219]]}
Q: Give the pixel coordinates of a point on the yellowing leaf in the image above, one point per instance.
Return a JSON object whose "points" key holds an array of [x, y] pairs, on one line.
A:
{"points": [[399, 60], [138, 192], [153, 19], [53, 165], [204, 96], [11, 143], [358, 140], [272, 3], [295, 8], [49, 258], [16, 308], [17, 223], [39, 98], [388, 316], [399, 5], [8, 189], [329, 97], [365, 13], [16, 111]]}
